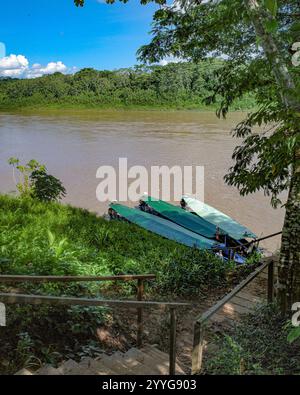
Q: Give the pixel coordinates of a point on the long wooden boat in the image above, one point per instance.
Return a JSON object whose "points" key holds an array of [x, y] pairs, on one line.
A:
{"points": [[162, 227], [171, 230], [233, 228], [181, 217]]}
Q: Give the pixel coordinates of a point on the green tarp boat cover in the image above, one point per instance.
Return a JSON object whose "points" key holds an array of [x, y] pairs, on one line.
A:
{"points": [[162, 227], [229, 225], [181, 217]]}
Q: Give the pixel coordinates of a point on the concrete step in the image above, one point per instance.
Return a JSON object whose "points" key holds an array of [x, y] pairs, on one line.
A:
{"points": [[148, 360], [113, 363], [67, 367], [24, 372], [163, 357], [47, 370], [137, 367], [150, 364], [98, 368]]}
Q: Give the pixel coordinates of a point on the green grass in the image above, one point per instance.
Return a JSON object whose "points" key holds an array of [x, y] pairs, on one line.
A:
{"points": [[53, 239], [43, 239]]}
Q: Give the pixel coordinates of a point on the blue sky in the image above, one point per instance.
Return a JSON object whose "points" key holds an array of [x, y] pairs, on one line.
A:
{"points": [[98, 35]]}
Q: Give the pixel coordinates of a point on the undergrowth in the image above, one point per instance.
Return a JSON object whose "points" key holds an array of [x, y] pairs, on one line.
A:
{"points": [[258, 346]]}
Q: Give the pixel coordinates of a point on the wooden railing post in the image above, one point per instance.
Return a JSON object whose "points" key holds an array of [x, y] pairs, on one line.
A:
{"points": [[271, 282], [68, 301], [198, 345], [173, 325], [140, 294]]}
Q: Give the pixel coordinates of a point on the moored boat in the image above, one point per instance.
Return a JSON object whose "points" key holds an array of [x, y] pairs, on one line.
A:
{"points": [[162, 227], [181, 217], [171, 231], [230, 226], [194, 223]]}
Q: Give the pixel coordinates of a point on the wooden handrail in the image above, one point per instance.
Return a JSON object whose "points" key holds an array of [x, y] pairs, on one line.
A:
{"points": [[64, 300], [199, 325], [139, 304], [210, 312], [41, 279], [7, 278]]}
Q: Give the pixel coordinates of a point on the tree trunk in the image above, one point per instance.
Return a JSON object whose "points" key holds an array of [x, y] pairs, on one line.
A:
{"points": [[273, 53], [289, 266]]}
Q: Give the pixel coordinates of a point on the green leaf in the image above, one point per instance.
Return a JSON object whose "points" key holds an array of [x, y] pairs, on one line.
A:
{"points": [[271, 26], [13, 161], [51, 237], [272, 6], [293, 335]]}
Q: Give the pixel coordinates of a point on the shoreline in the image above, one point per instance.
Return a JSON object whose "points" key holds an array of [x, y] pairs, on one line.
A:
{"points": [[124, 109]]}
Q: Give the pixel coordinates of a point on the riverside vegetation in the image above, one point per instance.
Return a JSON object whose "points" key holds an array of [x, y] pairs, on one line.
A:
{"points": [[179, 86], [48, 238], [40, 236]]}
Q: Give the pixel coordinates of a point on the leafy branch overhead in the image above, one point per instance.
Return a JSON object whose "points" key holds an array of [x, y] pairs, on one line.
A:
{"points": [[80, 3]]}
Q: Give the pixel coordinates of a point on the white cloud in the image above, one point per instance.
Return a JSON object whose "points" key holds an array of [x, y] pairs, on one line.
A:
{"points": [[13, 65], [18, 66], [38, 70]]}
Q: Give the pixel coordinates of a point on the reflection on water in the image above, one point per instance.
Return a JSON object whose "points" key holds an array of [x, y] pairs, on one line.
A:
{"points": [[75, 143]]}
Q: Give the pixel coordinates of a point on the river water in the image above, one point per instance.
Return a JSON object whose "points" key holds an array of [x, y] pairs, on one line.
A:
{"points": [[74, 144]]}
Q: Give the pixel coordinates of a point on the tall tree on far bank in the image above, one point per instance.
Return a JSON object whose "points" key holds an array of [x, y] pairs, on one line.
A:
{"points": [[256, 37]]}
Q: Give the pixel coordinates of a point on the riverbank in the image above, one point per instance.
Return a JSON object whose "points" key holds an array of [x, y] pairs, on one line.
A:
{"points": [[22, 107], [51, 238], [55, 239]]}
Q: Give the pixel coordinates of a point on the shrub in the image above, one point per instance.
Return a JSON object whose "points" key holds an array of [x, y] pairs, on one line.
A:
{"points": [[46, 187], [42, 334], [194, 272], [258, 345], [34, 182]]}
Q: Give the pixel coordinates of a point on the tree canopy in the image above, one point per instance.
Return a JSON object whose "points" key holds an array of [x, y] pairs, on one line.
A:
{"points": [[180, 85]]}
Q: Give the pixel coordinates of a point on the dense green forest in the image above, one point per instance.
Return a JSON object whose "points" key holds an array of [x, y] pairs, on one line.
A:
{"points": [[176, 85]]}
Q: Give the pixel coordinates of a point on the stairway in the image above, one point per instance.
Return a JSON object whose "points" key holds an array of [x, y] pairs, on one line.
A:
{"points": [[148, 360]]}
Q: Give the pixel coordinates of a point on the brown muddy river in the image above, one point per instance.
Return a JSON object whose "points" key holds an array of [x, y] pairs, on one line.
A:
{"points": [[74, 144]]}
